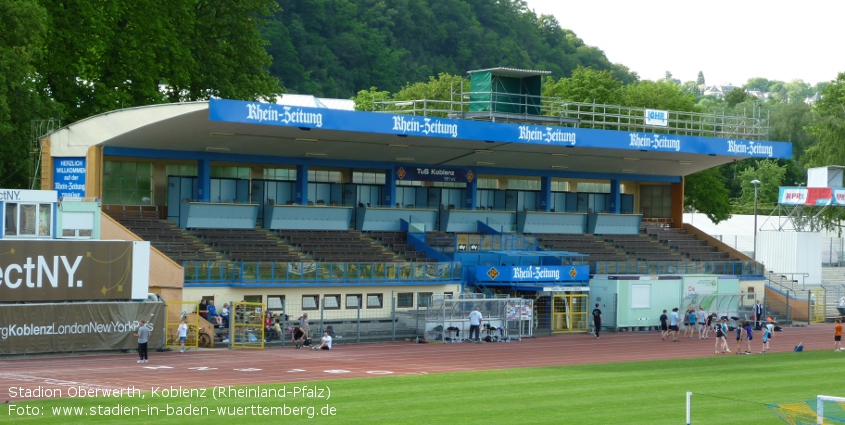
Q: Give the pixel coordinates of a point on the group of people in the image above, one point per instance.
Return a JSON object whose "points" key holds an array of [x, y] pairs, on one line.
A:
{"points": [[209, 312], [301, 335], [702, 323]]}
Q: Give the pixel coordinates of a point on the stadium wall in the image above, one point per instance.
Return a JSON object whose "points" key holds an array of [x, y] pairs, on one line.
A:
{"points": [[166, 276]]}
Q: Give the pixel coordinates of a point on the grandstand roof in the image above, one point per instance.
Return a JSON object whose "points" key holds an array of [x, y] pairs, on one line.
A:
{"points": [[224, 130]]}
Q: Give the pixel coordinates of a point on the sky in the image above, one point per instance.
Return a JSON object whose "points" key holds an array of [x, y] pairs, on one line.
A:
{"points": [[729, 41]]}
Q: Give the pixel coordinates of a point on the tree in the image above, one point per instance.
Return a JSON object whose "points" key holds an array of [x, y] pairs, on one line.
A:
{"points": [[705, 192], [735, 97], [22, 41], [770, 175], [700, 79], [828, 126], [788, 123], [659, 95], [587, 85], [106, 55]]}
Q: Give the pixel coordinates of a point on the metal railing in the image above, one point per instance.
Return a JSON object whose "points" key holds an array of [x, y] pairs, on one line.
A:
{"points": [[750, 125], [736, 268], [317, 273]]}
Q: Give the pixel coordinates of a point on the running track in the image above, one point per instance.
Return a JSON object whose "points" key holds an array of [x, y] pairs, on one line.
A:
{"points": [[196, 368]]}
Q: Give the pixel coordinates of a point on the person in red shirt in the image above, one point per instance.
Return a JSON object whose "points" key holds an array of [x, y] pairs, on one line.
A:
{"points": [[837, 336]]}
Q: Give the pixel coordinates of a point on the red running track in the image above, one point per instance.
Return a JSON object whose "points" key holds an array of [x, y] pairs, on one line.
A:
{"points": [[197, 368]]}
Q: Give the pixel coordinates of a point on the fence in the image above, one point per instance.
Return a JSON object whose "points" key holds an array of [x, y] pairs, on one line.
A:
{"points": [[405, 316], [319, 273]]}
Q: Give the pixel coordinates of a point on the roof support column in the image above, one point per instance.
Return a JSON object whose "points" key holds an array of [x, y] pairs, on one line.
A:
{"points": [[545, 193], [389, 188], [203, 180], [615, 197], [471, 194], [301, 186]]}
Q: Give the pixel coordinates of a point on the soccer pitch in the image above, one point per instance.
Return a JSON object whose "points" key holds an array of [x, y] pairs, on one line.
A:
{"points": [[726, 389]]}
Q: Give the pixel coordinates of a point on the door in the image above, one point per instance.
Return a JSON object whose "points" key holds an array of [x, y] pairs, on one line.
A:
{"points": [[569, 313]]}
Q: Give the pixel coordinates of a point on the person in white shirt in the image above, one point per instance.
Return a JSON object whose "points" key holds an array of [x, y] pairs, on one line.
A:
{"points": [[183, 333], [325, 342], [475, 320], [702, 323]]}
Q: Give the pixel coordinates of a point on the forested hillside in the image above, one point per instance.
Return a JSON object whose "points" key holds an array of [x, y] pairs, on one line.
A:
{"points": [[70, 60], [334, 48]]}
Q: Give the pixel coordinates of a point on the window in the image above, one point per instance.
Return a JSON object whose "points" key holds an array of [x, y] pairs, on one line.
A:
{"points": [[488, 183], [593, 187], [447, 184], [252, 298], [77, 225], [324, 176], [560, 186], [423, 299], [523, 184], [231, 172], [656, 201], [276, 302], [33, 220], [367, 178], [405, 300], [353, 301], [331, 302], [185, 170], [127, 183], [310, 302], [280, 174], [375, 301]]}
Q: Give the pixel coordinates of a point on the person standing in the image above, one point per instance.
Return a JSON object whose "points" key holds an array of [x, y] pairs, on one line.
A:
{"points": [[143, 336], [693, 319], [739, 331], [674, 331], [767, 335], [597, 320], [303, 323], [702, 322], [721, 337], [183, 333], [664, 325], [837, 336], [758, 314], [475, 319], [748, 337]]}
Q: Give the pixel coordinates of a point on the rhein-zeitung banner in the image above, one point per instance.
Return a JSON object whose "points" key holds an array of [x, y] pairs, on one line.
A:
{"points": [[51, 270], [74, 327]]}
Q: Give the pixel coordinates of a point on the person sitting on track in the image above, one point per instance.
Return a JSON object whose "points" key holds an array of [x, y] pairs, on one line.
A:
{"points": [[325, 342]]}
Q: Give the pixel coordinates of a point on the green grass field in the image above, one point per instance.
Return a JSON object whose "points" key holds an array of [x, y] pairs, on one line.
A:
{"points": [[728, 389]]}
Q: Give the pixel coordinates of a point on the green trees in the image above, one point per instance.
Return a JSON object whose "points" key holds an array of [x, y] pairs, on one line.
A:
{"points": [[22, 41], [74, 59], [338, 47], [828, 126], [102, 56]]}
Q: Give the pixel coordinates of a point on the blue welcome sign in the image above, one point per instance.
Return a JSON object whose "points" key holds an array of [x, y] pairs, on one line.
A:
{"points": [[69, 177]]}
